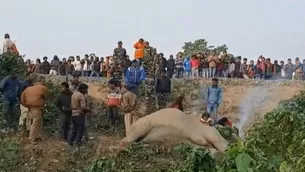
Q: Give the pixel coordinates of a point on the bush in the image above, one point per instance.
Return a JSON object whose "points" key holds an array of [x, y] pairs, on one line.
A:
{"points": [[9, 155]]}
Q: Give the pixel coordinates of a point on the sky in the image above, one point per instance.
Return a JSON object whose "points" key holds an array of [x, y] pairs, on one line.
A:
{"points": [[249, 28]]}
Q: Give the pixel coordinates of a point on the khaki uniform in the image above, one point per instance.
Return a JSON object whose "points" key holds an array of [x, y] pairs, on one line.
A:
{"points": [[129, 104], [23, 117], [78, 101], [34, 98]]}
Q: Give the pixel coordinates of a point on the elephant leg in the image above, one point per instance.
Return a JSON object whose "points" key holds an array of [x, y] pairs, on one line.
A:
{"points": [[136, 132]]}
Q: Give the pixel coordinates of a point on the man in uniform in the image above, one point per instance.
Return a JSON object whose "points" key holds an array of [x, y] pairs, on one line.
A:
{"points": [[34, 98], [119, 56]]}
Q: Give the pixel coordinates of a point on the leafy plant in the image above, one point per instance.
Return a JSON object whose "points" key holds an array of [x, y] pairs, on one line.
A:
{"points": [[9, 155], [51, 111], [12, 63], [197, 158]]}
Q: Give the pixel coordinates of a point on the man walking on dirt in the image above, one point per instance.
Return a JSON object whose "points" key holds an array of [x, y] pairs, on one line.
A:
{"points": [[34, 98], [213, 99]]}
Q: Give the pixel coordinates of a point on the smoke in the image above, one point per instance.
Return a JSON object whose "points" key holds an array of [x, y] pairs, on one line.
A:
{"points": [[254, 100], [198, 101]]}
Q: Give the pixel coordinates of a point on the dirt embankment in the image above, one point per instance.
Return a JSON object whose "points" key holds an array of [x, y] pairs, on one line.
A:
{"points": [[52, 155]]}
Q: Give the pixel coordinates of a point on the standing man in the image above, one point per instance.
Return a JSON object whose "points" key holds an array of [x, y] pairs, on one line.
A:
{"points": [[243, 68], [34, 98], [276, 70], [9, 45], [170, 66], [135, 75], [179, 63], [8, 88], [225, 60], [162, 63], [298, 69], [80, 107], [24, 123], [237, 72], [187, 67], [288, 69], [86, 62], [54, 66], [46, 65], [119, 61], [129, 105], [163, 90], [213, 59], [213, 99], [63, 103], [148, 59], [78, 66], [139, 50]]}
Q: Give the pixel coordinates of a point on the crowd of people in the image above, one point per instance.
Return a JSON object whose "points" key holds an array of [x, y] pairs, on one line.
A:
{"points": [[199, 65], [202, 64]]}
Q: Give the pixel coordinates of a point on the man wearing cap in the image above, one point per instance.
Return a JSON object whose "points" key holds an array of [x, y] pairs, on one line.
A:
{"points": [[8, 88]]}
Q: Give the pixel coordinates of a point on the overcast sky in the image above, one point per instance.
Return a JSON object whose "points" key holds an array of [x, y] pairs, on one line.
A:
{"points": [[40, 28]]}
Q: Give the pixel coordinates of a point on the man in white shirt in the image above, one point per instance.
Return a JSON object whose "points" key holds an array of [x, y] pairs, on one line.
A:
{"points": [[7, 44], [78, 67], [86, 66]]}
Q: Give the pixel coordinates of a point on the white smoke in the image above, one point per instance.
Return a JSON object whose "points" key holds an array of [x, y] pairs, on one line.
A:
{"points": [[254, 100]]}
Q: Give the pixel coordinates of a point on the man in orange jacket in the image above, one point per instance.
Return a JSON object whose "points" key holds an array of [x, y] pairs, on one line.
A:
{"points": [[139, 52], [34, 98]]}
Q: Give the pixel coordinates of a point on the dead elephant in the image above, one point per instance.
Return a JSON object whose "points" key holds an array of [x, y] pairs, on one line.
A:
{"points": [[171, 122]]}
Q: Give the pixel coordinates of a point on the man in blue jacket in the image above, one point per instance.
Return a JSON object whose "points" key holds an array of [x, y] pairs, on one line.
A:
{"points": [[134, 76], [23, 123], [187, 67], [8, 88], [213, 99]]}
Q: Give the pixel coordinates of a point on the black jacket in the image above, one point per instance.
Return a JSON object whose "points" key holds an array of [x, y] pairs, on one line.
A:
{"points": [[163, 85], [46, 67], [162, 64], [170, 64], [63, 102]]}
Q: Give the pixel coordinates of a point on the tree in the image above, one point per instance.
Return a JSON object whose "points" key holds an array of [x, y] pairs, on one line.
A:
{"points": [[12, 63], [201, 45]]}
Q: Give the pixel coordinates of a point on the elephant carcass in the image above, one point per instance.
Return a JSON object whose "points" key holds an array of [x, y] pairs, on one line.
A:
{"points": [[171, 122]]}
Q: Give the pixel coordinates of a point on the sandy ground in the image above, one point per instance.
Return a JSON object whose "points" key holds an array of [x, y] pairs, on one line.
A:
{"points": [[234, 98]]}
